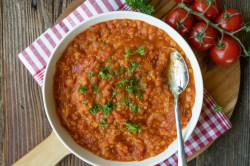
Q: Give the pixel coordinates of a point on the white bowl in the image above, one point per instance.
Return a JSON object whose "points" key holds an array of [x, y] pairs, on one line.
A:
{"points": [[49, 103]]}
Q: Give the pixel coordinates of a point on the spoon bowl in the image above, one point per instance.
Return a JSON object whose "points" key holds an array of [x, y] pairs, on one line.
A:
{"points": [[178, 76]]}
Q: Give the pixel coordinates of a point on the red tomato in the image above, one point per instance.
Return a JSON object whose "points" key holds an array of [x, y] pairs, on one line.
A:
{"points": [[228, 54], [202, 5], [174, 18], [202, 39], [230, 20], [185, 1]]}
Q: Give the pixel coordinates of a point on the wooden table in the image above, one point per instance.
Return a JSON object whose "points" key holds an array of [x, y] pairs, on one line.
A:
{"points": [[21, 22]]}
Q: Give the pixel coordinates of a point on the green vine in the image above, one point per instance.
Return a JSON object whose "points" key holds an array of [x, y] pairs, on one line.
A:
{"points": [[145, 7], [216, 26]]}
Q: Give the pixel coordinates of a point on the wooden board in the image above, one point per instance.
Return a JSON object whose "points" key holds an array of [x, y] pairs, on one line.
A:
{"points": [[217, 80], [214, 77]]}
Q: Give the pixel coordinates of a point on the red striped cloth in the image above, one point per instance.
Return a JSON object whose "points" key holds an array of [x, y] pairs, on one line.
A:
{"points": [[35, 57]]}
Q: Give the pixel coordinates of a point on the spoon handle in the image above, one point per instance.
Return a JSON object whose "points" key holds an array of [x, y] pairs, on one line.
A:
{"points": [[181, 153]]}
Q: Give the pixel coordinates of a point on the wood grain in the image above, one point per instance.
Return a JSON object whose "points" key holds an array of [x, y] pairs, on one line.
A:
{"points": [[48, 152], [1, 87], [25, 122]]}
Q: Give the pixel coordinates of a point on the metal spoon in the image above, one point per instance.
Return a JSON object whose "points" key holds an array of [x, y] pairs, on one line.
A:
{"points": [[178, 79]]}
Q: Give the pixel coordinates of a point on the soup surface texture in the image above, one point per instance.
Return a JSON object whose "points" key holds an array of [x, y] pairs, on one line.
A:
{"points": [[112, 94]]}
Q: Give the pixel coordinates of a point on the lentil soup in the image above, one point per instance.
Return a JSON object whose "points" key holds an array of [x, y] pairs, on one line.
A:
{"points": [[111, 91]]}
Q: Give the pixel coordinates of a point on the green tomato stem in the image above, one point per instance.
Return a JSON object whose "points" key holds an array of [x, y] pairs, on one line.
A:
{"points": [[216, 26]]}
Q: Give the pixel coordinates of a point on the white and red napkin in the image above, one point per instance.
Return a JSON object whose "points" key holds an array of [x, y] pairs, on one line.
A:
{"points": [[35, 57]]}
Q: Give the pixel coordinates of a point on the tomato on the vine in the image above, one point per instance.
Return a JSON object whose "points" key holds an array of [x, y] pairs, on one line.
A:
{"points": [[202, 37], [202, 5], [225, 53], [185, 1], [175, 18], [230, 20]]}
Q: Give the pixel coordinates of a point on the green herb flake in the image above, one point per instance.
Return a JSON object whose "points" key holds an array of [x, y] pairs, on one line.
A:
{"points": [[91, 74], [110, 59], [114, 93], [95, 109], [105, 73], [82, 89], [84, 102], [122, 70], [134, 107], [133, 127], [128, 53], [122, 129], [141, 50], [104, 43], [142, 5], [132, 66], [96, 89], [139, 94], [133, 86], [103, 123], [107, 108], [122, 83], [125, 24], [126, 101], [143, 85], [217, 108]]}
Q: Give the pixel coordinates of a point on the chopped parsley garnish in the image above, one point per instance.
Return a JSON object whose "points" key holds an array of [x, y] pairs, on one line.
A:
{"points": [[114, 93], [105, 73], [143, 85], [142, 5], [126, 101], [84, 102], [141, 50], [122, 70], [91, 74], [103, 123], [133, 87], [139, 94], [96, 90], [95, 109], [110, 59], [132, 66], [82, 89], [122, 83], [217, 108], [133, 127], [104, 43], [107, 108], [133, 107], [128, 53]]}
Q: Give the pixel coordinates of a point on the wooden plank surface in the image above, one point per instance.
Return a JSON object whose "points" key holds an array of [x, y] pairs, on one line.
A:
{"points": [[24, 118], [1, 87]]}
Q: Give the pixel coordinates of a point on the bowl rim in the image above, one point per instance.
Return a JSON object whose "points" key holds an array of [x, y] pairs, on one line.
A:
{"points": [[187, 131]]}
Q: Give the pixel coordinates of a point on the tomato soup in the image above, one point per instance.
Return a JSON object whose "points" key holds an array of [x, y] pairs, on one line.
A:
{"points": [[112, 94]]}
